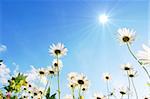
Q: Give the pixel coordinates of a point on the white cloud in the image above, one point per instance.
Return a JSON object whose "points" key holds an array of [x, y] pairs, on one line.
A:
{"points": [[16, 71], [3, 48]]}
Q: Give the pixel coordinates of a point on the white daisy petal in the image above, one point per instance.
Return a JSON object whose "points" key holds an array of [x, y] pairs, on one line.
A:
{"points": [[144, 56]]}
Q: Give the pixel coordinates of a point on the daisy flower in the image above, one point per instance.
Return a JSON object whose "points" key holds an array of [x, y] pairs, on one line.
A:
{"points": [[58, 50], [132, 73], [82, 79], [126, 35], [123, 91], [24, 95], [57, 65], [85, 87], [51, 71], [106, 76], [72, 76], [41, 72], [126, 67], [144, 56], [99, 96], [72, 85], [37, 92]]}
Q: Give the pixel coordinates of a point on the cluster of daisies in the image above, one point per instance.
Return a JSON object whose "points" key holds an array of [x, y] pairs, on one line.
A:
{"points": [[37, 83], [77, 82]]}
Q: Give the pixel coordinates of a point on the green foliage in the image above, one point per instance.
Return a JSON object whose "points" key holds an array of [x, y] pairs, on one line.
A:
{"points": [[16, 83], [1, 94], [14, 97], [53, 96], [48, 94]]}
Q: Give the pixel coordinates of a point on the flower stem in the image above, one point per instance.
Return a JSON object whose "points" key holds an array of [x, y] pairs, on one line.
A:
{"points": [[121, 97], [72, 91], [58, 81], [134, 88], [46, 86], [79, 93], [128, 85], [48, 83], [107, 88], [137, 60]]}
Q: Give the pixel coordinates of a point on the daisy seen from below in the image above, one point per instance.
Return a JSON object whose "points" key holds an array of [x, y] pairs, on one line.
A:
{"points": [[51, 71], [132, 73], [144, 55], [126, 35], [57, 65], [58, 50], [107, 76], [123, 91], [126, 67]]}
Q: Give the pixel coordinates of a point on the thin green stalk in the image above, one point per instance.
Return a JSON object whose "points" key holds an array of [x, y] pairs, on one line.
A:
{"points": [[129, 84], [107, 88], [48, 83], [72, 91], [138, 60], [46, 86], [146, 71], [121, 97], [58, 80], [134, 88], [79, 93]]}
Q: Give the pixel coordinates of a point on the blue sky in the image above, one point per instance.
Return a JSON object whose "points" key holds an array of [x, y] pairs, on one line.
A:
{"points": [[29, 27]]}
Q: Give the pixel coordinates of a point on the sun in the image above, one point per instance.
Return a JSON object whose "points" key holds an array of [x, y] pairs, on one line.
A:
{"points": [[103, 18]]}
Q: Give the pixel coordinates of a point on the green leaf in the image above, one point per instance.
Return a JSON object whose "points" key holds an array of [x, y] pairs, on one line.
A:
{"points": [[14, 97], [1, 95], [53, 96], [48, 93]]}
